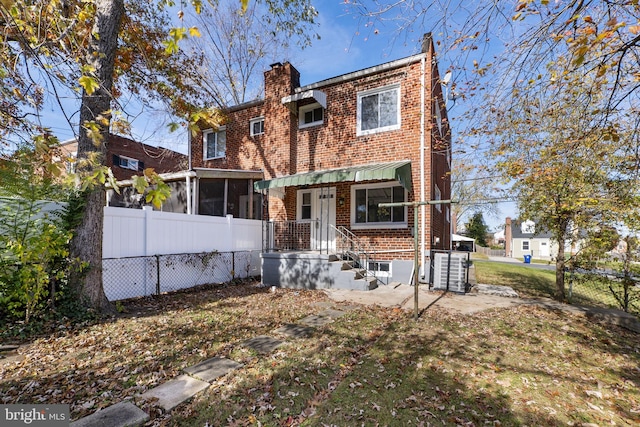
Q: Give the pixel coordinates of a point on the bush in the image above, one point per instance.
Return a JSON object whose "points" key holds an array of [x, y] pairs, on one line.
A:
{"points": [[34, 237]]}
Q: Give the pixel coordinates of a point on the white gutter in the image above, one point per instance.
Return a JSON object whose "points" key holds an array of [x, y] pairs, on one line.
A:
{"points": [[423, 220]]}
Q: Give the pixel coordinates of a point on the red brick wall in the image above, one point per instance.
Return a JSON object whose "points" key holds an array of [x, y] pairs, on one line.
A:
{"points": [[284, 149], [161, 160]]}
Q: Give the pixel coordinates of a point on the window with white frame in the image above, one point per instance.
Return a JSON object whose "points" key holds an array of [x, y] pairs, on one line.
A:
{"points": [[525, 245], [256, 126], [380, 268], [215, 143], [378, 110], [366, 211], [310, 115], [127, 163], [437, 196], [304, 204]]}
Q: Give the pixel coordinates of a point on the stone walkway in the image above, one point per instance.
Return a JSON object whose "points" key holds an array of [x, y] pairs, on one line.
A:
{"points": [[199, 377]]}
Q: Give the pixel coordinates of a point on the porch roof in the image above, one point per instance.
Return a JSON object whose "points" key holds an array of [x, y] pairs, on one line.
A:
{"points": [[399, 171]]}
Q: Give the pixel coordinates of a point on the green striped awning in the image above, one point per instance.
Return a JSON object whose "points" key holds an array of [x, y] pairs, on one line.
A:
{"points": [[399, 171]]}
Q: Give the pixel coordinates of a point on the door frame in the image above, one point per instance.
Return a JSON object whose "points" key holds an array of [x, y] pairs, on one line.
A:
{"points": [[322, 216]]}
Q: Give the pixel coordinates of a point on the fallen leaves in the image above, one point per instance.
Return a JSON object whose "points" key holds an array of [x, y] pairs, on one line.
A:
{"points": [[500, 367]]}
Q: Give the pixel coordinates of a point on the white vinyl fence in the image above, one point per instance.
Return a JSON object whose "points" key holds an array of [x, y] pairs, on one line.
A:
{"points": [[147, 252], [144, 232]]}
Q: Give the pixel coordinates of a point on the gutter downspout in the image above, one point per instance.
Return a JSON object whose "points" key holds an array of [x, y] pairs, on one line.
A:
{"points": [[189, 199], [422, 148]]}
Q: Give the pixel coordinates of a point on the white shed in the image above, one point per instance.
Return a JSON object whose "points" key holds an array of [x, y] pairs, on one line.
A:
{"points": [[463, 243]]}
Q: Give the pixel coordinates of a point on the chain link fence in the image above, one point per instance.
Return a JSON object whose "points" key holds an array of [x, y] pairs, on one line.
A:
{"points": [[153, 275], [604, 288]]}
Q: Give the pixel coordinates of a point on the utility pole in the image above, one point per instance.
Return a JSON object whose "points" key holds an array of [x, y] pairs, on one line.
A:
{"points": [[416, 262]]}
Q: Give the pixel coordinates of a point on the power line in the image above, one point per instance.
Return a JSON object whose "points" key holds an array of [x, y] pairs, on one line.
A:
{"points": [[476, 179], [487, 201]]}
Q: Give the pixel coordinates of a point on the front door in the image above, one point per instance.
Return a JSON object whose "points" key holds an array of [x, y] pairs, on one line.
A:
{"points": [[544, 249], [324, 216]]}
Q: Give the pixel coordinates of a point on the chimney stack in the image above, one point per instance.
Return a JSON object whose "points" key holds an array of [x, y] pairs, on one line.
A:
{"points": [[507, 237]]}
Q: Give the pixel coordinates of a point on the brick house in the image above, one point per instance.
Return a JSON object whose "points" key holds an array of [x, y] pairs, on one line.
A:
{"points": [[126, 157], [315, 161]]}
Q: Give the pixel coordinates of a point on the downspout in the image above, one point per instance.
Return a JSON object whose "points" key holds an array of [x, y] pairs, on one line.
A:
{"points": [[190, 201], [189, 147], [423, 220]]}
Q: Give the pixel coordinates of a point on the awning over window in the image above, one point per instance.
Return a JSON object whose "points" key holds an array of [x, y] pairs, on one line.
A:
{"points": [[399, 171], [318, 95]]}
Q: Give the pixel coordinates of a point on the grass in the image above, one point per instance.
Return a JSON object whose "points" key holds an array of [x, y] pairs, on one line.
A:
{"points": [[533, 282], [372, 366]]}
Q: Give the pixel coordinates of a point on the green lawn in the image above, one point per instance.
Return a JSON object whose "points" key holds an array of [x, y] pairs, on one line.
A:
{"points": [[535, 282], [525, 280]]}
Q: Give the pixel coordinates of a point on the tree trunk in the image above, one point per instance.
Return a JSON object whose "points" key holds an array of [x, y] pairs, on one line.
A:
{"points": [[560, 262], [86, 245]]}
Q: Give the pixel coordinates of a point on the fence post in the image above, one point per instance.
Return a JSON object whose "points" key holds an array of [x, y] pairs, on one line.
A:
{"points": [[230, 228], [233, 265], [157, 274], [148, 211]]}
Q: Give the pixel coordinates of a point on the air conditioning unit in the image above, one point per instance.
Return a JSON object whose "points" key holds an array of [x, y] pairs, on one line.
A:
{"points": [[455, 266]]}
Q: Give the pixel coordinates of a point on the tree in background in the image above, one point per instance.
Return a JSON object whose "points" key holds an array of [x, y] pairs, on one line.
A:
{"points": [[105, 49], [472, 190], [236, 47], [477, 229], [572, 169]]}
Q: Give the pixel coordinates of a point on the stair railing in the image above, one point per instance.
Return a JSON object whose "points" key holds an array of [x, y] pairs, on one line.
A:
{"points": [[348, 246]]}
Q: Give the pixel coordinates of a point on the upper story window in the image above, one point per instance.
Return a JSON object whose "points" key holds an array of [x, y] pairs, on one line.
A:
{"points": [[256, 126], [367, 213], [215, 143], [378, 110], [311, 115], [127, 163]]}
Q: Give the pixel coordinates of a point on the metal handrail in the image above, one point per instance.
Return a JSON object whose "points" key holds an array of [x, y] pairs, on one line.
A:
{"points": [[348, 245]]}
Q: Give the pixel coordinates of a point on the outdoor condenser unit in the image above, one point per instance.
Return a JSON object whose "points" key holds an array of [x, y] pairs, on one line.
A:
{"points": [[456, 267]]}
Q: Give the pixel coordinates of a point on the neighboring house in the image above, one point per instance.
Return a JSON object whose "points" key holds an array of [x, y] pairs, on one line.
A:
{"points": [[127, 158], [316, 161], [524, 238], [497, 238]]}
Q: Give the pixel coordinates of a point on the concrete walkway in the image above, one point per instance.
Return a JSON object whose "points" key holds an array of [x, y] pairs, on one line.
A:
{"points": [[482, 297], [199, 377]]}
